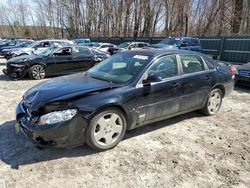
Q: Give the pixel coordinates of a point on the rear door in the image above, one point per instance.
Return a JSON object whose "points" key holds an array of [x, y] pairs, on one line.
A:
{"points": [[83, 59], [196, 82]]}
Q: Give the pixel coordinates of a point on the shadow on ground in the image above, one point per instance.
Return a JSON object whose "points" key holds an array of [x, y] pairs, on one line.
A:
{"points": [[242, 89], [16, 150]]}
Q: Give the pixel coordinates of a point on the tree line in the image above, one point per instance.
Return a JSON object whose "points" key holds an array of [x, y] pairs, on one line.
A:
{"points": [[123, 18]]}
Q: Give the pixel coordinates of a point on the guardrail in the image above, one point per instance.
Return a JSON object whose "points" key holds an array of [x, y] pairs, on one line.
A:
{"points": [[234, 49]]}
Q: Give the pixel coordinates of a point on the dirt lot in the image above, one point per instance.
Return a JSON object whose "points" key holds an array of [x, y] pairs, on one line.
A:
{"points": [[186, 151]]}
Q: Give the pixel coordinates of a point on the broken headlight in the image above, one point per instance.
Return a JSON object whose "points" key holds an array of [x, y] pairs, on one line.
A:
{"points": [[57, 117]]}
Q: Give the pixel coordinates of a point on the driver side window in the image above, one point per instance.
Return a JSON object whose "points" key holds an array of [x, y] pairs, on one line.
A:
{"points": [[63, 52], [164, 67]]}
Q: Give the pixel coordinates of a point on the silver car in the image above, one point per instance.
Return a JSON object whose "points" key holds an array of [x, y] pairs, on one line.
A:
{"points": [[39, 46]]}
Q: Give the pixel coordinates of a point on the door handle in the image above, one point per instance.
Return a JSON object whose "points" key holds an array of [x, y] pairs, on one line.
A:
{"points": [[175, 85]]}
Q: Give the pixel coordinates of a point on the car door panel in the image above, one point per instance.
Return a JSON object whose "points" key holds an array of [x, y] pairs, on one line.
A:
{"points": [[158, 100], [195, 86], [83, 62], [162, 98]]}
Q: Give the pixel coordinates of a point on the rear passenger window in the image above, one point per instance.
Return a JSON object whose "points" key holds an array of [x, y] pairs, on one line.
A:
{"points": [[191, 64], [82, 51], [165, 67]]}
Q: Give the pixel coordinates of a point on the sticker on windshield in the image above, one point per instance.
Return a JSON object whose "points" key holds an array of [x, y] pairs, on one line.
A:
{"points": [[143, 57]]}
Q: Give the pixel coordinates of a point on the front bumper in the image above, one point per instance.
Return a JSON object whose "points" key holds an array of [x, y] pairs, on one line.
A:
{"points": [[15, 72], [66, 134]]}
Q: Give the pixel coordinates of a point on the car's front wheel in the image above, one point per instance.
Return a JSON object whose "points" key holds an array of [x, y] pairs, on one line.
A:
{"points": [[213, 103], [106, 129], [37, 72]]}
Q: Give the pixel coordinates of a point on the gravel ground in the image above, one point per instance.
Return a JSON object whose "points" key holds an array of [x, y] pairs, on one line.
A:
{"points": [[187, 151]]}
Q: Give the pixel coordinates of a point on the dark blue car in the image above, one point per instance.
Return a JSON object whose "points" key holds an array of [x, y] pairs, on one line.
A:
{"points": [[125, 91], [185, 43]]}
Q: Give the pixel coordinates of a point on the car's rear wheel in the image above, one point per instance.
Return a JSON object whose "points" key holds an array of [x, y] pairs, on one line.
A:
{"points": [[106, 129], [37, 72], [213, 103]]}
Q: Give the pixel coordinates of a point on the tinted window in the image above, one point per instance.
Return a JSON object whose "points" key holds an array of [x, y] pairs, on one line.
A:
{"points": [[133, 46], [63, 52], [43, 44], [140, 45], [186, 41], [195, 42], [165, 67], [82, 51], [107, 46], [191, 64]]}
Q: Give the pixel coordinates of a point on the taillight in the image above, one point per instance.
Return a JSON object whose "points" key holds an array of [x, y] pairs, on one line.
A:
{"points": [[232, 72]]}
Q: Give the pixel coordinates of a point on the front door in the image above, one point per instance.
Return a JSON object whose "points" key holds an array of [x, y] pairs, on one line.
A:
{"points": [[60, 62], [162, 98]]}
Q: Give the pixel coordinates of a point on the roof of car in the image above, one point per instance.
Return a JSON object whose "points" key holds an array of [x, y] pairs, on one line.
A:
{"points": [[159, 52]]}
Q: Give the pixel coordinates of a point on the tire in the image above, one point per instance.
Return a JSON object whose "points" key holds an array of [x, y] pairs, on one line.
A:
{"points": [[213, 103], [37, 72], [106, 129]]}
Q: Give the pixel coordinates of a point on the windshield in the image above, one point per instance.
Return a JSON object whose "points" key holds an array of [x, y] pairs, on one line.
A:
{"points": [[123, 45], [120, 68], [48, 51], [170, 41], [32, 44], [23, 44]]}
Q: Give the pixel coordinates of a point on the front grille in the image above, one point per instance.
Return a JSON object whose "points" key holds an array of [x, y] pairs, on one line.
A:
{"points": [[245, 73]]}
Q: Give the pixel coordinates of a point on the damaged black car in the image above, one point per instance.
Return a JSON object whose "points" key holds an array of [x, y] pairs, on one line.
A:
{"points": [[125, 91], [53, 62]]}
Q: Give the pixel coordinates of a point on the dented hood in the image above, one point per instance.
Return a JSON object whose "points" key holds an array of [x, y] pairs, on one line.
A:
{"points": [[63, 88]]}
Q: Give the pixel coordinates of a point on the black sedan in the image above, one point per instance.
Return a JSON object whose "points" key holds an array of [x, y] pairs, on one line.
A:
{"points": [[54, 61], [242, 77], [125, 91]]}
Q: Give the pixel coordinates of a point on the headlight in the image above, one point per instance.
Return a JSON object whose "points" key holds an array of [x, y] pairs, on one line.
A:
{"points": [[56, 117], [17, 65]]}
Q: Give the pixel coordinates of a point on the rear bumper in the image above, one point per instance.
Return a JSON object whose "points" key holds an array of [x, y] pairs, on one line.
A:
{"points": [[66, 134], [242, 80], [229, 87]]}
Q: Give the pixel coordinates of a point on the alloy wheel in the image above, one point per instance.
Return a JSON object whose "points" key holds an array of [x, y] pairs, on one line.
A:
{"points": [[38, 72], [214, 102], [108, 129]]}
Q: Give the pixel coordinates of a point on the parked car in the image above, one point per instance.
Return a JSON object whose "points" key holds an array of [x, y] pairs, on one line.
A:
{"points": [[7, 52], [54, 61], [39, 46], [127, 46], [185, 43], [10, 43], [125, 91], [103, 46], [81, 41], [242, 75]]}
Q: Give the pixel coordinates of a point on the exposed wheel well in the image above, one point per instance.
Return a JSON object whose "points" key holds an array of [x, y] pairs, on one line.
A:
{"points": [[220, 87], [117, 107]]}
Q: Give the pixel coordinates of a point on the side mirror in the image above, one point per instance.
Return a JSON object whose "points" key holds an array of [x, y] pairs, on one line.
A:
{"points": [[129, 48], [184, 44], [151, 79]]}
